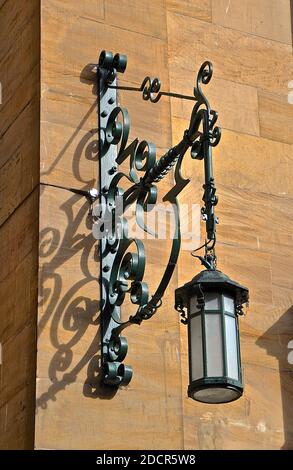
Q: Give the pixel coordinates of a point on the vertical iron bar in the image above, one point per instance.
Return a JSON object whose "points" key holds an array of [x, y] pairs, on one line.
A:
{"points": [[107, 101], [209, 179]]}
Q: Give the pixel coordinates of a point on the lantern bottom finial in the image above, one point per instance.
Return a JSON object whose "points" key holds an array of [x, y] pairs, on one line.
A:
{"points": [[215, 394]]}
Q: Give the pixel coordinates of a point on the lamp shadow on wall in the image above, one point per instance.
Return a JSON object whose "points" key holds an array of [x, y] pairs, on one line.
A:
{"points": [[277, 341], [71, 311]]}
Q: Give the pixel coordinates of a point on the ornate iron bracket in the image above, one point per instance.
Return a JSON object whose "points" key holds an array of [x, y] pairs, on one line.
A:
{"points": [[122, 259]]}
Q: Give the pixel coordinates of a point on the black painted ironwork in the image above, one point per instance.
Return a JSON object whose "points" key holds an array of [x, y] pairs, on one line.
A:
{"points": [[151, 90], [123, 258]]}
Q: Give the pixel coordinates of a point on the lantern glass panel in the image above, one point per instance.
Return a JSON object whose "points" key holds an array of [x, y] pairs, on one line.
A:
{"points": [[231, 346], [214, 345], [229, 305], [196, 348], [212, 301], [194, 305]]}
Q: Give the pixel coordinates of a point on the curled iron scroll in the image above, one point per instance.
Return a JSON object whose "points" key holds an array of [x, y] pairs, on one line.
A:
{"points": [[151, 89]]}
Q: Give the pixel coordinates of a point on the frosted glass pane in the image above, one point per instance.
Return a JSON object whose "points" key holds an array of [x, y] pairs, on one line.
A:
{"points": [[196, 348], [193, 305], [228, 304], [214, 345], [212, 301], [231, 345]]}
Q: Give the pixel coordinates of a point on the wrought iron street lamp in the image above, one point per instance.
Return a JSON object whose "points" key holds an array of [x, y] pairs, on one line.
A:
{"points": [[211, 302]]}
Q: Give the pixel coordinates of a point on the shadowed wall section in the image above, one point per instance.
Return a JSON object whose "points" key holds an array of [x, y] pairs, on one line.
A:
{"points": [[73, 409], [19, 203]]}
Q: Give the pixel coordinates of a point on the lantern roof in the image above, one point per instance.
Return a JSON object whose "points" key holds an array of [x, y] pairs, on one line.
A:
{"points": [[209, 279]]}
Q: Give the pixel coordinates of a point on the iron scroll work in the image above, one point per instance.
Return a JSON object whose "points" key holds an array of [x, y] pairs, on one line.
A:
{"points": [[122, 259]]}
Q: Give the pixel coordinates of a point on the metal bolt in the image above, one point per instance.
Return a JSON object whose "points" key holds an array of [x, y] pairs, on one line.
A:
{"points": [[104, 113], [94, 193], [106, 268], [113, 169], [111, 100]]}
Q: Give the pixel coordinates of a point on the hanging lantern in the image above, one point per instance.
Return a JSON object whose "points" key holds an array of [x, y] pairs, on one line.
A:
{"points": [[213, 303]]}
